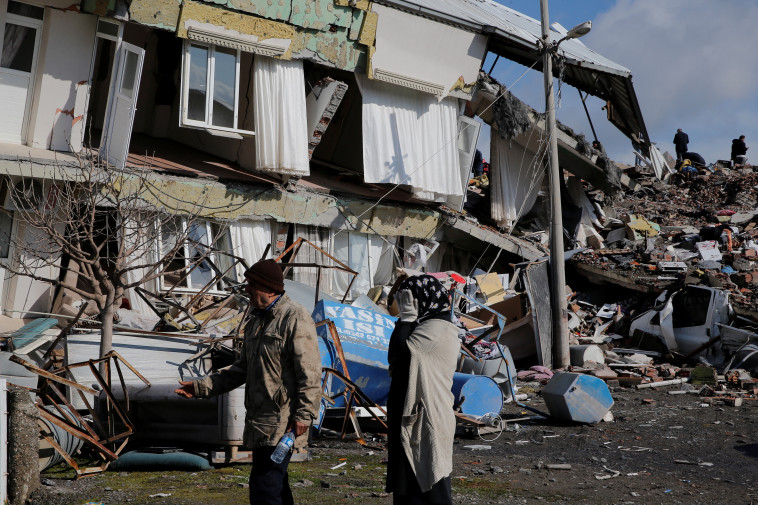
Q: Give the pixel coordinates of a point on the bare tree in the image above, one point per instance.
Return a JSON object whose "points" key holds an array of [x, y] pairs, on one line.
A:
{"points": [[106, 224]]}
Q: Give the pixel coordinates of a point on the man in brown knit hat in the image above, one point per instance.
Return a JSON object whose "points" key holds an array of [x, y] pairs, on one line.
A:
{"points": [[280, 366]]}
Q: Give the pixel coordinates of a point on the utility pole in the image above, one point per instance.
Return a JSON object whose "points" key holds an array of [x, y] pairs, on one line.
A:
{"points": [[557, 264]]}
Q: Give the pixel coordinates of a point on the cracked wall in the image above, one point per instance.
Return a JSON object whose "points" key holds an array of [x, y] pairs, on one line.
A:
{"points": [[329, 32]]}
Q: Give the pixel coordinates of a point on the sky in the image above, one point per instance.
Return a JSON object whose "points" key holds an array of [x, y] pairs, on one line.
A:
{"points": [[694, 66]]}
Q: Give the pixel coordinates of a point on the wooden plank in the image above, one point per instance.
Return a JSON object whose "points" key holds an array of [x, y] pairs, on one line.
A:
{"points": [[51, 376], [491, 287]]}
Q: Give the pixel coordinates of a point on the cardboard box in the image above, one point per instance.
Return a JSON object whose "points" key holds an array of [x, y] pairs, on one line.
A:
{"points": [[511, 308]]}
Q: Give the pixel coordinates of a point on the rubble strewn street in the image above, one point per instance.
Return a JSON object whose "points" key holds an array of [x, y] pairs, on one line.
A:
{"points": [[660, 448]]}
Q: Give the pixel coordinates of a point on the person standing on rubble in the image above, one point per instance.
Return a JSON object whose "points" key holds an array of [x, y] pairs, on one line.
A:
{"points": [[280, 366], [739, 151], [478, 166], [680, 142], [422, 356]]}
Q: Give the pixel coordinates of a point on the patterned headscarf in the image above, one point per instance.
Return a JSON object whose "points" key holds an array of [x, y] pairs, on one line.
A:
{"points": [[430, 293]]}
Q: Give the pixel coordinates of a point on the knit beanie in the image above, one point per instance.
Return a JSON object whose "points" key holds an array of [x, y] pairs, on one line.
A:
{"points": [[267, 274]]}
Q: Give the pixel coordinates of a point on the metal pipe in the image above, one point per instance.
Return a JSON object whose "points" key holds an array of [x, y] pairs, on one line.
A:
{"points": [[557, 265], [587, 112], [663, 383]]}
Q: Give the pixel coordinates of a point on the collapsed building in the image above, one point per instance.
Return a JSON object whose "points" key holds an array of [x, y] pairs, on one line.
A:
{"points": [[290, 119], [352, 125]]}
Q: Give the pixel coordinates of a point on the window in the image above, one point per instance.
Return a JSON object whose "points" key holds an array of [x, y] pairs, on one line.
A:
{"points": [[6, 230], [108, 30], [211, 87], [6, 221], [28, 11], [199, 237]]}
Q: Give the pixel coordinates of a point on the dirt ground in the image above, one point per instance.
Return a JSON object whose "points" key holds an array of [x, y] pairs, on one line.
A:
{"points": [[661, 448]]}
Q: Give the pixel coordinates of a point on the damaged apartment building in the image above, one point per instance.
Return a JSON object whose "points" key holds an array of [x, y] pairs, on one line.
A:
{"points": [[350, 123]]}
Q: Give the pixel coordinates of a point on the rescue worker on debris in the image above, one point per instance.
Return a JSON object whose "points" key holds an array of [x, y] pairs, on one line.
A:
{"points": [[422, 356], [681, 140], [739, 151], [279, 365]]}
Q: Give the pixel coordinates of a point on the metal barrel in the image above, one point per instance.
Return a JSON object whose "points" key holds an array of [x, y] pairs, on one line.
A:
{"points": [[477, 395], [48, 456]]}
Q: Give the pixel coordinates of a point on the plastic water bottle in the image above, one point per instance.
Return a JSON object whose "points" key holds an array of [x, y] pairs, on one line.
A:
{"points": [[283, 447]]}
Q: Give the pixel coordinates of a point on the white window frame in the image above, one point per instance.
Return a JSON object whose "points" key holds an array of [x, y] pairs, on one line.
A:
{"points": [[119, 28], [35, 24], [164, 286], [207, 124], [466, 153]]}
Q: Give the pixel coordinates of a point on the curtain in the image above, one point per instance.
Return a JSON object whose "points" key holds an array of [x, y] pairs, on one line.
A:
{"points": [[385, 267], [140, 253], [434, 262], [321, 237], [249, 241], [281, 125], [409, 137], [362, 253], [12, 42], [515, 180]]}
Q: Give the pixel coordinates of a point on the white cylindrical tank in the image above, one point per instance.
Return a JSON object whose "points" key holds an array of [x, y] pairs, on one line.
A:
{"points": [[231, 415]]}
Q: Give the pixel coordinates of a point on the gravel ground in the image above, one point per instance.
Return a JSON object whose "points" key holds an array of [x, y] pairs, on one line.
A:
{"points": [[660, 448]]}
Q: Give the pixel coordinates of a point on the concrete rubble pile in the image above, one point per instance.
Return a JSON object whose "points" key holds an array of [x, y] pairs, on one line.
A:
{"points": [[700, 232], [671, 281]]}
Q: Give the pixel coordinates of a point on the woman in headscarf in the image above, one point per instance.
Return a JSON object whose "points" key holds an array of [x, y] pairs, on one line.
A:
{"points": [[422, 356]]}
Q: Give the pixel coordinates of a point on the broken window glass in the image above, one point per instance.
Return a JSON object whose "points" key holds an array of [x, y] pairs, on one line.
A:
{"points": [[202, 241]]}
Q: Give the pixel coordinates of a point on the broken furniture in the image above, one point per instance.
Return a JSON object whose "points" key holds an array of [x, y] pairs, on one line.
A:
{"points": [[61, 423]]}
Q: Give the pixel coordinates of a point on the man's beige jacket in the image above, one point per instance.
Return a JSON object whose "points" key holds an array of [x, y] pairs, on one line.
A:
{"points": [[280, 366]]}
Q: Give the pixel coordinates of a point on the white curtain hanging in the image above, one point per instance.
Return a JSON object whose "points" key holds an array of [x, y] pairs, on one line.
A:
{"points": [[434, 261], [281, 125], [409, 137], [515, 180], [249, 241], [362, 253], [385, 267], [140, 253], [321, 237]]}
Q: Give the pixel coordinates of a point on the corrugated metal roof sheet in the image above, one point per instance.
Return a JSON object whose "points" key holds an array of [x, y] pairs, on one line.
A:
{"points": [[514, 35]]}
